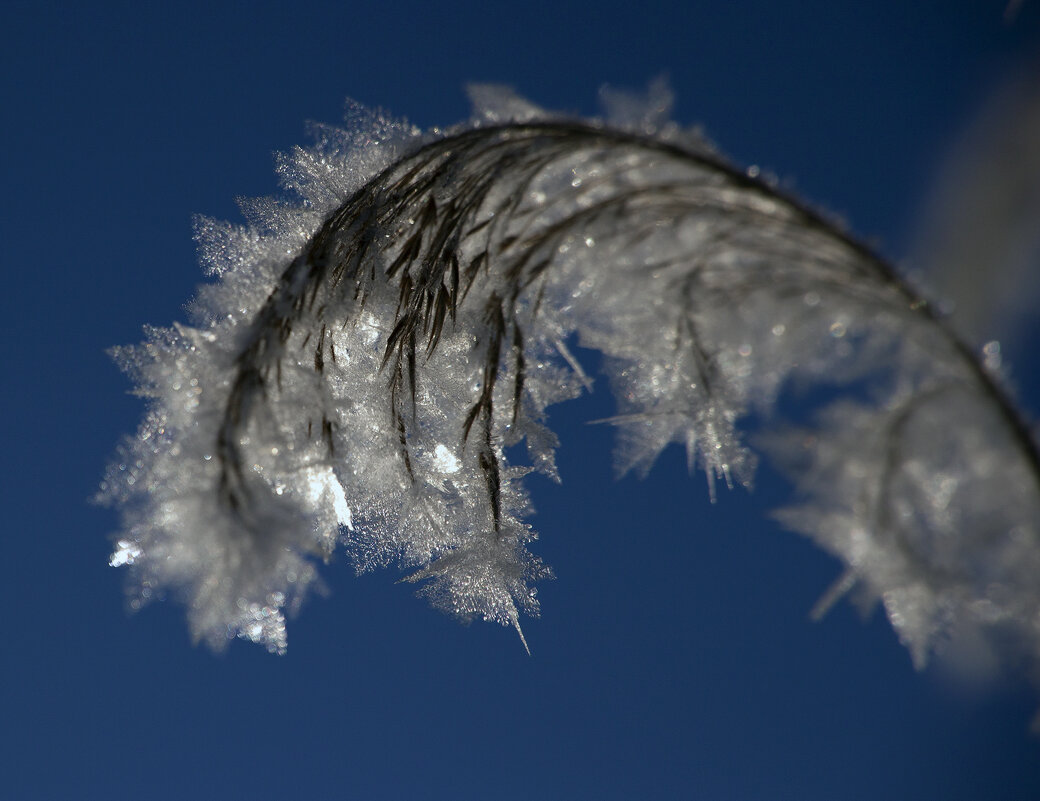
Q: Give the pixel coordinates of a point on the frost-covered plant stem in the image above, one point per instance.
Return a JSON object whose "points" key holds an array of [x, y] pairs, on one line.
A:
{"points": [[365, 389]]}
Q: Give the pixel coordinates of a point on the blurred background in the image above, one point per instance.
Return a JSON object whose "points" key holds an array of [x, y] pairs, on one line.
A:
{"points": [[675, 657]]}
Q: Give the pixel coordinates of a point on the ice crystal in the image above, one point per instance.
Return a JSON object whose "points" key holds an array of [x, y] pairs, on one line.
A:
{"points": [[370, 353]]}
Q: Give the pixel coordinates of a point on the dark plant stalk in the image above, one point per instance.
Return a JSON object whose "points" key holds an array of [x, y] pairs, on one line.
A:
{"points": [[379, 203]]}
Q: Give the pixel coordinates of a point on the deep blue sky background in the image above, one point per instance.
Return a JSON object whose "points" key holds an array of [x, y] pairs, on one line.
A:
{"points": [[674, 658]]}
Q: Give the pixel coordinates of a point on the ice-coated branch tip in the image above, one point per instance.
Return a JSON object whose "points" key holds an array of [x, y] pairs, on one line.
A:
{"points": [[360, 374]]}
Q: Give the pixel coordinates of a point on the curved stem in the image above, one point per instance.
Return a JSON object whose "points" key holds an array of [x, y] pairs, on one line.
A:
{"points": [[409, 178]]}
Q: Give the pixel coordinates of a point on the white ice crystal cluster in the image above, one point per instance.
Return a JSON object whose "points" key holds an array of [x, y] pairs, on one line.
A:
{"points": [[372, 352]]}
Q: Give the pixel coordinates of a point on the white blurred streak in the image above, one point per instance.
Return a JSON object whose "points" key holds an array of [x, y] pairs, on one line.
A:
{"points": [[980, 245]]}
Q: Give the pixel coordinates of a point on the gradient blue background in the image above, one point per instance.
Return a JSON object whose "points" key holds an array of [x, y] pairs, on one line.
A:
{"points": [[675, 658]]}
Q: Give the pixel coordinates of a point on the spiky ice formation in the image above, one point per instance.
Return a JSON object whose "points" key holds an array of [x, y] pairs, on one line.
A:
{"points": [[371, 351]]}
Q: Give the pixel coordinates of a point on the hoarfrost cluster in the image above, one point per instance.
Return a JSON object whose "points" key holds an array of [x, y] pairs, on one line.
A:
{"points": [[370, 353]]}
